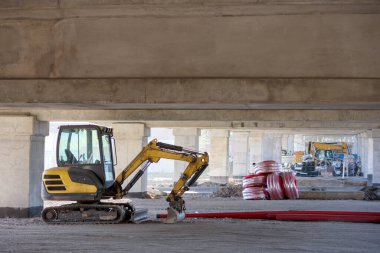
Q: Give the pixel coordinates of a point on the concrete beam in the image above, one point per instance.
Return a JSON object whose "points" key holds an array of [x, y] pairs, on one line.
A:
{"points": [[58, 9], [333, 46], [236, 119], [240, 93]]}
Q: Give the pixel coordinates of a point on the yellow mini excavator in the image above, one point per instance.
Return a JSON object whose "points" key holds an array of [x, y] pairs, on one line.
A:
{"points": [[86, 175]]}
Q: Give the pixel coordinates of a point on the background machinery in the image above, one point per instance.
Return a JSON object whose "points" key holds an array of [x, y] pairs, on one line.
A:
{"points": [[86, 174], [329, 157]]}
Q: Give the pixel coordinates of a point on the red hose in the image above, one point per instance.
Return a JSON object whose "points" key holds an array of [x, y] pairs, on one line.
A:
{"points": [[293, 216]]}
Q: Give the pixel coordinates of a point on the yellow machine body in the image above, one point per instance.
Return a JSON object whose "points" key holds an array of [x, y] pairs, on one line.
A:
{"points": [[57, 181]]}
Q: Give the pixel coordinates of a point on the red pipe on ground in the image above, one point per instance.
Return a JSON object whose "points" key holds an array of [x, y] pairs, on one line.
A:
{"points": [[373, 217]]}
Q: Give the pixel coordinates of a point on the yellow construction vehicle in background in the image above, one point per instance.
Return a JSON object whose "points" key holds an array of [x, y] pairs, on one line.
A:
{"points": [[86, 174], [323, 152], [321, 155]]}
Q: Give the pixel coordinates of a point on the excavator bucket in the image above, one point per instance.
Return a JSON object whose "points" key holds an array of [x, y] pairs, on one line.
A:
{"points": [[174, 216]]}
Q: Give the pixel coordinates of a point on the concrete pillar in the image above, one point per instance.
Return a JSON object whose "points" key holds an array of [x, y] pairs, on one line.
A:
{"points": [[22, 146], [363, 152], [284, 142], [376, 156], [299, 142], [271, 146], [360, 144], [187, 138], [130, 139], [255, 147], [370, 156], [240, 154], [291, 143], [219, 156]]}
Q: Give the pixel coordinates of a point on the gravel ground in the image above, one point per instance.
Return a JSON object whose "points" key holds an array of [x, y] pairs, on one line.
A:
{"points": [[206, 235]]}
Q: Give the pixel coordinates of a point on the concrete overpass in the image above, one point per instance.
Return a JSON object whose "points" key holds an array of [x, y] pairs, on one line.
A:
{"points": [[224, 65]]}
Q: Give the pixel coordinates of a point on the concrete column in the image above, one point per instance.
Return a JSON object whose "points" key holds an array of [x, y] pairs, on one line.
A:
{"points": [[299, 142], [187, 138], [130, 139], [284, 142], [376, 156], [362, 154], [291, 143], [240, 154], [271, 146], [22, 146], [219, 154], [255, 147], [370, 156], [363, 143]]}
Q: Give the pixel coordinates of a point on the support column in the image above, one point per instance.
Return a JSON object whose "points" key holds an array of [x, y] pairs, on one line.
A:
{"points": [[219, 152], [272, 146], [130, 139], [363, 141], [299, 142], [291, 143], [375, 156], [22, 147], [255, 147], [240, 154], [370, 157], [187, 138]]}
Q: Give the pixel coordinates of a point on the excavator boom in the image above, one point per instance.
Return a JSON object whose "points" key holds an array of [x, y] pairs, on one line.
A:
{"points": [[152, 153]]}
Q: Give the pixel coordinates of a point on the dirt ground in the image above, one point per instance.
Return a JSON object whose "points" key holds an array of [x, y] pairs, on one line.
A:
{"points": [[202, 235]]}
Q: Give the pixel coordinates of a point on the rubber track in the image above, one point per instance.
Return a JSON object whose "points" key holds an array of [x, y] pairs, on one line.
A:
{"points": [[74, 207]]}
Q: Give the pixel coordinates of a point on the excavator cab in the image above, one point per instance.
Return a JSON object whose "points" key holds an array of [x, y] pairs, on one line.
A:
{"points": [[90, 147]]}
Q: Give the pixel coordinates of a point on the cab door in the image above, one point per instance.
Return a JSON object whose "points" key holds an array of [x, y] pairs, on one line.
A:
{"points": [[108, 163]]}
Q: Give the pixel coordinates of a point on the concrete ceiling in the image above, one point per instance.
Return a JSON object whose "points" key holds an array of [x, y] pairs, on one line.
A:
{"points": [[220, 64]]}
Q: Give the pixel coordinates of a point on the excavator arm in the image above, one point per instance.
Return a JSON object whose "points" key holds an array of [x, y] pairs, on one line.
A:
{"points": [[152, 153]]}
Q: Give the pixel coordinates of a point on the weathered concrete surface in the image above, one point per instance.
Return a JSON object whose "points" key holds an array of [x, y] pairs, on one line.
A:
{"points": [[332, 46], [22, 142], [255, 46], [184, 55], [333, 195], [113, 39], [58, 9], [240, 153], [26, 48], [219, 156], [331, 182], [179, 93], [375, 136], [281, 119]]}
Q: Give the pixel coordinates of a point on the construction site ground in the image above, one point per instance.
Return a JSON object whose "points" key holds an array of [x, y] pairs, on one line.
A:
{"points": [[202, 235]]}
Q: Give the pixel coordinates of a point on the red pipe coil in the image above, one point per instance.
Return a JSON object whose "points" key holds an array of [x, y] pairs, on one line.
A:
{"points": [[289, 185], [255, 180], [274, 187]]}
